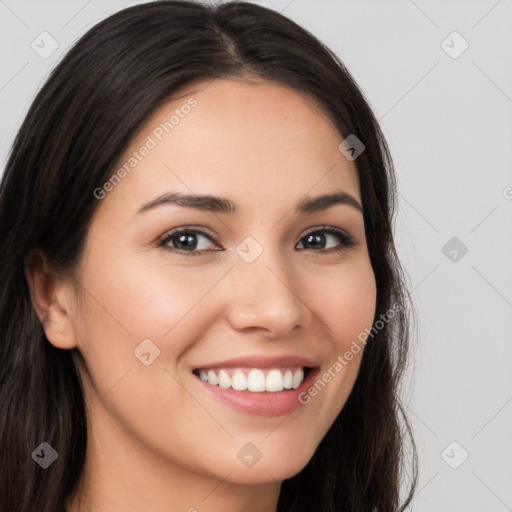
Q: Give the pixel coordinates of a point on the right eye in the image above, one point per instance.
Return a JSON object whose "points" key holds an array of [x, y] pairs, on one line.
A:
{"points": [[185, 241]]}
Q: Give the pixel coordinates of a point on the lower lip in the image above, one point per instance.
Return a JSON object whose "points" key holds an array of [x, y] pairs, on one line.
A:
{"points": [[263, 403]]}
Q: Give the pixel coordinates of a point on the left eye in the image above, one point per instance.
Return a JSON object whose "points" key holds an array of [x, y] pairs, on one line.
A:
{"points": [[321, 235]]}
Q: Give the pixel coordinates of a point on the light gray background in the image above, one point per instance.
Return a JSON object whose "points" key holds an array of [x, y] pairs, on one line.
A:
{"points": [[449, 125]]}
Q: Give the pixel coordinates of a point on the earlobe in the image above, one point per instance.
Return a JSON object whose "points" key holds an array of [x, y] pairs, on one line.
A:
{"points": [[50, 299]]}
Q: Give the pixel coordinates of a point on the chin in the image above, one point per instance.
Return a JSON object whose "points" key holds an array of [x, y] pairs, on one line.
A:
{"points": [[275, 467]]}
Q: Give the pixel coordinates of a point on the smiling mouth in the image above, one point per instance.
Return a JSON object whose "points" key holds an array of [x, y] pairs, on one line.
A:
{"points": [[254, 380]]}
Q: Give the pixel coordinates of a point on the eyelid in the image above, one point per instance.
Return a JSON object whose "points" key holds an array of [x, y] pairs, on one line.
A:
{"points": [[187, 229], [326, 228]]}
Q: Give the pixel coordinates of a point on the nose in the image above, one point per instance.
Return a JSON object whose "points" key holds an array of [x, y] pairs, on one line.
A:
{"points": [[264, 296]]}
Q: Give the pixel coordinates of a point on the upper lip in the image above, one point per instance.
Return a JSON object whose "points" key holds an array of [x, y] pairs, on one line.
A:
{"points": [[258, 361]]}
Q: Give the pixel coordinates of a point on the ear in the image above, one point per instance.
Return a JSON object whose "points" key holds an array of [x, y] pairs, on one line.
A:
{"points": [[51, 298]]}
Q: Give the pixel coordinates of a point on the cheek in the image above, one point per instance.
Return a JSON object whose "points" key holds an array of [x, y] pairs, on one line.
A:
{"points": [[138, 325], [345, 301], [127, 304], [345, 305], [134, 300]]}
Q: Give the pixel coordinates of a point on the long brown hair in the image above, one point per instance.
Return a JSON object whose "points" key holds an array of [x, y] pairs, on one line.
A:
{"points": [[82, 119]]}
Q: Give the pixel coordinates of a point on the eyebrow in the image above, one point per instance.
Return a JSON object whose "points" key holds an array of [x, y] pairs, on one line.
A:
{"points": [[216, 204]]}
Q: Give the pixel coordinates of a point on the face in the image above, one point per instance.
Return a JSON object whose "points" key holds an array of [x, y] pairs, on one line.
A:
{"points": [[186, 304]]}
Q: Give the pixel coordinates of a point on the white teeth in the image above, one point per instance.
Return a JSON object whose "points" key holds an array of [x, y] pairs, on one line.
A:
{"points": [[255, 380], [239, 381], [224, 380], [274, 381], [287, 380], [298, 377], [212, 378]]}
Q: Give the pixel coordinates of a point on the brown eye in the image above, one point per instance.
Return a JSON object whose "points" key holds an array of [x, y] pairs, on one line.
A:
{"points": [[318, 239], [188, 241]]}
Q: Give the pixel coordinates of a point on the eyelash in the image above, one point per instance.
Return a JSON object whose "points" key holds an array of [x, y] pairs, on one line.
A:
{"points": [[346, 240]]}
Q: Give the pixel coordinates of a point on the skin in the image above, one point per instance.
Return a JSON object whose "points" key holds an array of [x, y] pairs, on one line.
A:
{"points": [[157, 441]]}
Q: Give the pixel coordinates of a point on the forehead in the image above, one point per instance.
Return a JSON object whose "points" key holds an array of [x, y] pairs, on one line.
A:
{"points": [[228, 137]]}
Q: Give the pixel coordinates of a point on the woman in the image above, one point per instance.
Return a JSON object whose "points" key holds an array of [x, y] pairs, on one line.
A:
{"points": [[202, 308]]}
